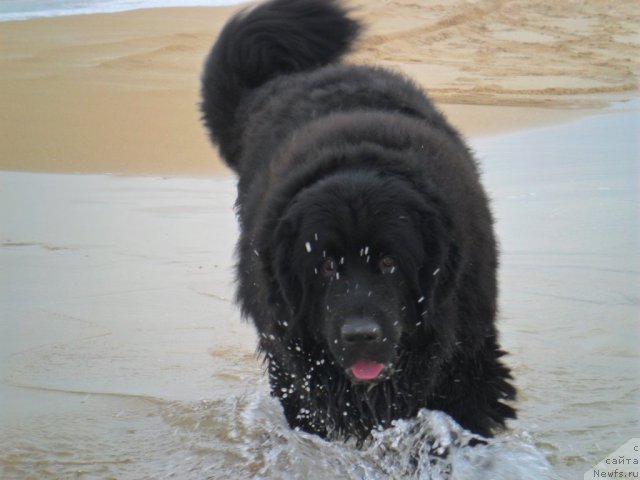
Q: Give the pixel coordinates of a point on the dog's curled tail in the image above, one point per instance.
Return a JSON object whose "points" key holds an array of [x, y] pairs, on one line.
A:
{"points": [[276, 37]]}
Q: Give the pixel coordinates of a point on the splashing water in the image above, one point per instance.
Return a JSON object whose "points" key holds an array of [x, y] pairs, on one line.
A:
{"points": [[433, 446], [247, 437]]}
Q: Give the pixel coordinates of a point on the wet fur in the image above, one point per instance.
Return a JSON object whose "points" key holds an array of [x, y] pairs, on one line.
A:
{"points": [[303, 132]]}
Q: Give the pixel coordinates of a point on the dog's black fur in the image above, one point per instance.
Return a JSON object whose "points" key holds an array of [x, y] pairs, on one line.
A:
{"points": [[360, 211]]}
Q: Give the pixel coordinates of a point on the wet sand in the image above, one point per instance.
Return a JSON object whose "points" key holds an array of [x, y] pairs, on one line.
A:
{"points": [[122, 356], [118, 93]]}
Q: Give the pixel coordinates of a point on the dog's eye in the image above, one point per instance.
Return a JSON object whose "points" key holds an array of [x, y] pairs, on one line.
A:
{"points": [[329, 267], [387, 264]]}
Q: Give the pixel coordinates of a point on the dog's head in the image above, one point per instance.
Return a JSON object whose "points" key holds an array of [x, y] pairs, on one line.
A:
{"points": [[357, 257]]}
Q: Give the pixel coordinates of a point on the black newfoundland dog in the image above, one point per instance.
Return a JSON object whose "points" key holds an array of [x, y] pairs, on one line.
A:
{"points": [[367, 259]]}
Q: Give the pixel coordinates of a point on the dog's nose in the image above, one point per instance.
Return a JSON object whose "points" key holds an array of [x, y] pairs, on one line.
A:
{"points": [[361, 330]]}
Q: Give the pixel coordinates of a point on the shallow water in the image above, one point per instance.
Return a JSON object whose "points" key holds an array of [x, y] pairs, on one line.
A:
{"points": [[121, 355], [25, 9], [567, 201]]}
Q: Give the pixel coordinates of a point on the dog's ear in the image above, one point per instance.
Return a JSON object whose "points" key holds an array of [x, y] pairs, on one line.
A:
{"points": [[283, 241], [291, 287], [439, 271]]}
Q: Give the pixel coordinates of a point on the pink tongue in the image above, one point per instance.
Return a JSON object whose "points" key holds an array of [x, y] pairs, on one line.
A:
{"points": [[366, 369]]}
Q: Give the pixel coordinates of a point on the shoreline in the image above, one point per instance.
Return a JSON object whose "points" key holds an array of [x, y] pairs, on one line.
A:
{"points": [[536, 119], [472, 121], [98, 10], [118, 92]]}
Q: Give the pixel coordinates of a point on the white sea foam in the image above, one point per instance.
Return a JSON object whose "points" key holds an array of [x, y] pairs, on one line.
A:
{"points": [[25, 9]]}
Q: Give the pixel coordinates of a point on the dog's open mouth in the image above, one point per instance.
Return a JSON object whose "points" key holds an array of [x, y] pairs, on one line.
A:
{"points": [[366, 370]]}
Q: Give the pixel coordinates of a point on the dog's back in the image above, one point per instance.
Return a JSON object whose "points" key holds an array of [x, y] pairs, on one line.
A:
{"points": [[274, 69]]}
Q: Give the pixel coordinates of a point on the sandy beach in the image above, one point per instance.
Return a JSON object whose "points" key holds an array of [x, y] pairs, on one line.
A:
{"points": [[122, 355], [118, 93]]}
